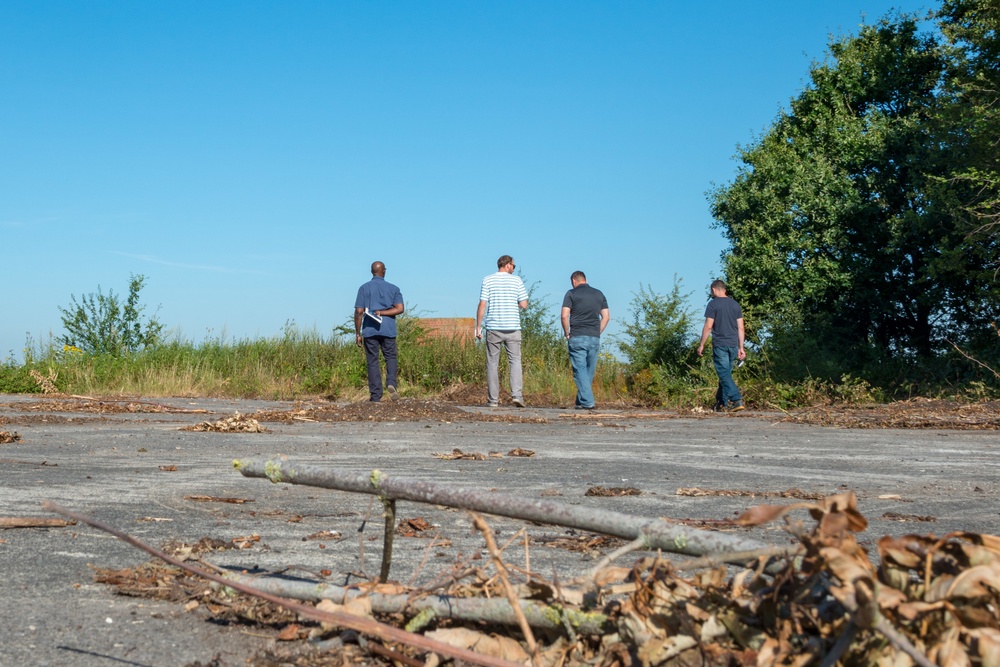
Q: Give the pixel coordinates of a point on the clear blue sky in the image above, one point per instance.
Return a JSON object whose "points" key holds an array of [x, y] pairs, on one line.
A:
{"points": [[253, 158]]}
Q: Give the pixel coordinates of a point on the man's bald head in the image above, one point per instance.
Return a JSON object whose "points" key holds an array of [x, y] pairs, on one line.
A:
{"points": [[378, 269]]}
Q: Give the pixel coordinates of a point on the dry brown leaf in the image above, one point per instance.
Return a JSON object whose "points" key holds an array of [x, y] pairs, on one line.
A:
{"points": [[459, 454], [495, 646], [517, 451], [7, 437]]}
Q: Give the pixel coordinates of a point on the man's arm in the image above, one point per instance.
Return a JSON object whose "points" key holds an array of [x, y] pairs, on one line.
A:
{"points": [[480, 313], [706, 330], [742, 354], [358, 314], [605, 318], [523, 304], [564, 318], [397, 309]]}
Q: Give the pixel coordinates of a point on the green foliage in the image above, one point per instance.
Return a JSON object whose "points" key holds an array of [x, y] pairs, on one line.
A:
{"points": [[16, 379], [101, 324], [845, 250], [660, 332]]}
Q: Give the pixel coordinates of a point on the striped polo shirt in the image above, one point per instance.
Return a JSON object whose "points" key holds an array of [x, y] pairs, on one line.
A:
{"points": [[502, 291]]}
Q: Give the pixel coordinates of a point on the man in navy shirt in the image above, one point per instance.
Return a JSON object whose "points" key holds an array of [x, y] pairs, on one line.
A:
{"points": [[584, 318], [375, 311], [724, 321]]}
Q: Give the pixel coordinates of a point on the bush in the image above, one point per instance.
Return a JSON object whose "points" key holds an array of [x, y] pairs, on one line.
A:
{"points": [[660, 333], [100, 324]]}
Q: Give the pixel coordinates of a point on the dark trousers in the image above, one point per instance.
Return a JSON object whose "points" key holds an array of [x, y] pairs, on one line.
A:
{"points": [[388, 346]]}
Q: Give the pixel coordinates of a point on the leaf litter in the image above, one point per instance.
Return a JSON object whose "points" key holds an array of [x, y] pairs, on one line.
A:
{"points": [[929, 600]]}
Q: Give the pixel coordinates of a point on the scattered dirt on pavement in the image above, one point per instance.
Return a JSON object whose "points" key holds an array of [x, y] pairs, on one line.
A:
{"points": [[914, 413], [790, 493], [917, 413], [101, 406], [404, 410]]}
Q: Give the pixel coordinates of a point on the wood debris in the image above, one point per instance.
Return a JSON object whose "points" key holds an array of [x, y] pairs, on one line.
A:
{"points": [[33, 522], [789, 493], [7, 437], [613, 491], [215, 499], [236, 424], [457, 454]]}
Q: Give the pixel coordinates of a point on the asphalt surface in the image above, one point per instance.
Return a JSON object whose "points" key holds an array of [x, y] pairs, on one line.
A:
{"points": [[110, 468]]}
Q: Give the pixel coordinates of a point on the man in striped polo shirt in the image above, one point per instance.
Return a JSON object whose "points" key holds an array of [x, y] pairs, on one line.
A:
{"points": [[501, 300]]}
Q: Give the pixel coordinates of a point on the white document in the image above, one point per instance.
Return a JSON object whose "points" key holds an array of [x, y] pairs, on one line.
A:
{"points": [[377, 318]]}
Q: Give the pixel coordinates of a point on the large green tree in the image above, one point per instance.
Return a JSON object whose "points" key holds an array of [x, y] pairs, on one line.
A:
{"points": [[840, 233]]}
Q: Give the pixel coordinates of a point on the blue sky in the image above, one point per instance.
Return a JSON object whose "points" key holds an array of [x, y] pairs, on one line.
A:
{"points": [[253, 158]]}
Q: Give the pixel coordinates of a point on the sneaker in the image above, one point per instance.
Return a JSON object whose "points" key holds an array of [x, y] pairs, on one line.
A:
{"points": [[737, 407], [492, 405], [585, 407], [519, 402], [719, 407], [393, 394]]}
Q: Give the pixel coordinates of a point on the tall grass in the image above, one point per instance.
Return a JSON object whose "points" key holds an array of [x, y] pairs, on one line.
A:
{"points": [[304, 364], [297, 365]]}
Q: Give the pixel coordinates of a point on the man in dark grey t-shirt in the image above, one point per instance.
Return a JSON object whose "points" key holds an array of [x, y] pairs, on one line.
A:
{"points": [[724, 321], [584, 318]]}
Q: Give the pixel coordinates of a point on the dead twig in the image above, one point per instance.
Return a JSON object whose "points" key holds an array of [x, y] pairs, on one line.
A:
{"points": [[515, 604], [972, 359], [366, 626]]}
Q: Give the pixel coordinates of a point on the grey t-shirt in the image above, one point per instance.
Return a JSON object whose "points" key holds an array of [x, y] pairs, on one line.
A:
{"points": [[725, 311], [585, 305]]}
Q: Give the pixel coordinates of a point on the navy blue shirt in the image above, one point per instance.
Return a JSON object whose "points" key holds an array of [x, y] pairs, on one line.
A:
{"points": [[377, 294]]}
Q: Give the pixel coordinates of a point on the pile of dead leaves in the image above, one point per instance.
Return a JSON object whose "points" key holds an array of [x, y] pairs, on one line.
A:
{"points": [[929, 601], [7, 437], [236, 424]]}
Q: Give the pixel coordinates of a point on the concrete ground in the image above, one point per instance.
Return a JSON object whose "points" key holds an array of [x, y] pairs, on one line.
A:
{"points": [[110, 467]]}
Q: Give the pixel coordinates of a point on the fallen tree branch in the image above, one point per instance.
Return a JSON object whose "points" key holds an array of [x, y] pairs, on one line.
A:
{"points": [[656, 534], [33, 522], [479, 609], [364, 625]]}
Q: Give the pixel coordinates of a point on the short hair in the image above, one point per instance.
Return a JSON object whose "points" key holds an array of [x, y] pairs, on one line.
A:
{"points": [[719, 284], [578, 275], [504, 261]]}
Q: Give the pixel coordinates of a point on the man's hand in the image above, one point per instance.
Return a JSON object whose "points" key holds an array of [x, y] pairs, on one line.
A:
{"points": [[701, 350], [358, 340], [479, 332]]}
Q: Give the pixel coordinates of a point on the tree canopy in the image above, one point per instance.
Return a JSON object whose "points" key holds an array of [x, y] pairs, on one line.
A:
{"points": [[850, 218]]}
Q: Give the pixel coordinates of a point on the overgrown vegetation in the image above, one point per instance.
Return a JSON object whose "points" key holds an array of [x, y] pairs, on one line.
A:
{"points": [[863, 248], [862, 224], [101, 324]]}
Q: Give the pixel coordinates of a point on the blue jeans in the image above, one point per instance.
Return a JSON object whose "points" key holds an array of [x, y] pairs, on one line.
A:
{"points": [[388, 346], [724, 358], [583, 357]]}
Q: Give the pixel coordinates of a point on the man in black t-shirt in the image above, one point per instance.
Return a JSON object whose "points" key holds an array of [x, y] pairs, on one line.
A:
{"points": [[724, 321], [584, 318]]}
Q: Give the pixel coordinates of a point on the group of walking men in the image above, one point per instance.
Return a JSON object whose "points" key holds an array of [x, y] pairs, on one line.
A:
{"points": [[502, 297]]}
